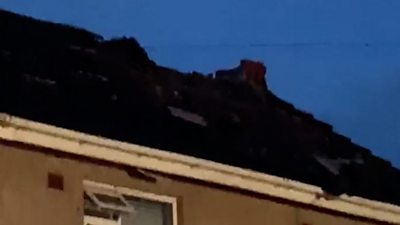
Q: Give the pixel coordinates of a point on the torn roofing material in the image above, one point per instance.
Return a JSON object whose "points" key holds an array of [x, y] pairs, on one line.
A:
{"points": [[74, 79]]}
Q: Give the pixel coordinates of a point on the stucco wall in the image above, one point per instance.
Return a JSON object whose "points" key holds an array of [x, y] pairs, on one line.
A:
{"points": [[25, 198]]}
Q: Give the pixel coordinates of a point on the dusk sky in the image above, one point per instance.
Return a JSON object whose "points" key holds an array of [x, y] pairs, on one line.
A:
{"points": [[336, 59]]}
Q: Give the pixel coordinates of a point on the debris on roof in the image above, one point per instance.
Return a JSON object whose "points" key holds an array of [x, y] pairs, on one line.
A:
{"points": [[72, 78]]}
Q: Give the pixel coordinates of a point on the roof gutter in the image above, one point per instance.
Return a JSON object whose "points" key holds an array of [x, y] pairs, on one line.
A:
{"points": [[68, 141]]}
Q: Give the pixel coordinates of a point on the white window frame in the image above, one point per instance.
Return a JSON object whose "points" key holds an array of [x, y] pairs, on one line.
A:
{"points": [[92, 191], [119, 191], [99, 221]]}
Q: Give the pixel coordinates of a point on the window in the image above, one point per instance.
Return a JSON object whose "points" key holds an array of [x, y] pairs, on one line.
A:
{"points": [[109, 205]]}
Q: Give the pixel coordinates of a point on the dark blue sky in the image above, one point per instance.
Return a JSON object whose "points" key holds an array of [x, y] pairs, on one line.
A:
{"points": [[337, 59]]}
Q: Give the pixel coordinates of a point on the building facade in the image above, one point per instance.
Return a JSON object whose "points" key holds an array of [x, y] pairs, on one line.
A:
{"points": [[52, 176]]}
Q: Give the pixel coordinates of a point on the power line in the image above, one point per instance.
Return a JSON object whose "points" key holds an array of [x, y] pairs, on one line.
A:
{"points": [[272, 45]]}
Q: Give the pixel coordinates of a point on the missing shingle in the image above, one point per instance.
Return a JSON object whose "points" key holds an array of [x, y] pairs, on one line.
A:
{"points": [[55, 181]]}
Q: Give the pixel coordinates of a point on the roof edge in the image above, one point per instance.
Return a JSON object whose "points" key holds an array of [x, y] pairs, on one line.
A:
{"points": [[59, 139]]}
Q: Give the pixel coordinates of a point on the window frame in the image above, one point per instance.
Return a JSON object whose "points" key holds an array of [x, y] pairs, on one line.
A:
{"points": [[99, 220], [119, 190]]}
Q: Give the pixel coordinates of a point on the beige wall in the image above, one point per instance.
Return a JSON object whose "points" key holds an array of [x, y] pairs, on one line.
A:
{"points": [[26, 200]]}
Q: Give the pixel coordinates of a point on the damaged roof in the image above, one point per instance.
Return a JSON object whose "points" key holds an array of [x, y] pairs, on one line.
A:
{"points": [[72, 78]]}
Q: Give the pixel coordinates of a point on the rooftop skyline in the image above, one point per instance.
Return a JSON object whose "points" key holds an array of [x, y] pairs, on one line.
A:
{"points": [[338, 60]]}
